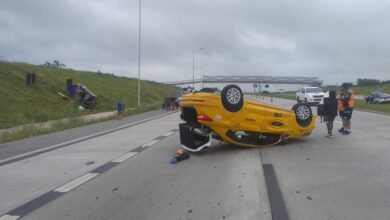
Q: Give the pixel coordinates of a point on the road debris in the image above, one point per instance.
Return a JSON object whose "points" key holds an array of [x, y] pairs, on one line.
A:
{"points": [[90, 162], [180, 155]]}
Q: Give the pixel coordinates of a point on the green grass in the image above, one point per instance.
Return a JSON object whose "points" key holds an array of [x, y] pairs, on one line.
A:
{"points": [[21, 104], [365, 90], [359, 90], [30, 130], [375, 107]]}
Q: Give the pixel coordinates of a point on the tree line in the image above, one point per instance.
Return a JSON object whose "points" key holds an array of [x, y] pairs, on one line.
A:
{"points": [[371, 82], [55, 64]]}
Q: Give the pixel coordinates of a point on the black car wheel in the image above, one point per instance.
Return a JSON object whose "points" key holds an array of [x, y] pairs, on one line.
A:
{"points": [[232, 98], [303, 114]]}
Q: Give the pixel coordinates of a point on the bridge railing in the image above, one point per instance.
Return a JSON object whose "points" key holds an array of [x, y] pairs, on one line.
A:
{"points": [[250, 79]]}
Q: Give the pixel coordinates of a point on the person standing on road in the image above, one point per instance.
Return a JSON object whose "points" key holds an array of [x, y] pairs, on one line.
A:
{"points": [[330, 112], [119, 106], [340, 107], [347, 102]]}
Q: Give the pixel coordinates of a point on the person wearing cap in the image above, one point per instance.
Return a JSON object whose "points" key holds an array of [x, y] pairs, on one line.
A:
{"points": [[346, 104]]}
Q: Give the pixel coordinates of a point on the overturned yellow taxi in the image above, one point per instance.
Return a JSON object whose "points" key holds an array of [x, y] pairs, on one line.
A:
{"points": [[225, 115]]}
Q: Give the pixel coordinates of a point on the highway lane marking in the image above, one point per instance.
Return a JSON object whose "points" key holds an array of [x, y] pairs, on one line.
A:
{"points": [[168, 134], [76, 182], [34, 204], [77, 140], [277, 203], [124, 157], [45, 198], [9, 217], [105, 167], [150, 143]]}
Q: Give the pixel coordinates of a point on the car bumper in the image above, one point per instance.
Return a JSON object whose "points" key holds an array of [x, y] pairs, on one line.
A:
{"points": [[191, 140], [313, 103]]}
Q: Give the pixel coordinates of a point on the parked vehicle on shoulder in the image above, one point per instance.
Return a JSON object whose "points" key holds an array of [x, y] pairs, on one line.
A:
{"points": [[310, 95], [377, 98], [225, 115]]}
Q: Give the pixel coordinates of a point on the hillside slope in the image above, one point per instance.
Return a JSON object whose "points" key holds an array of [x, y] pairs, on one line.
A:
{"points": [[21, 104]]}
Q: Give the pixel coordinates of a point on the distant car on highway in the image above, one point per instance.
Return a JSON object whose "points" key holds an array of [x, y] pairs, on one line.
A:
{"points": [[225, 115], [310, 95], [377, 98]]}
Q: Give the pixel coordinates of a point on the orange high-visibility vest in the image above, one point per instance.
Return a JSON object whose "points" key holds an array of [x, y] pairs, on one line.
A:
{"points": [[340, 105], [351, 101]]}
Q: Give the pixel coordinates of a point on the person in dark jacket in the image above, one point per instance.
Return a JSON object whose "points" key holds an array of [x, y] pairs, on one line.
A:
{"points": [[330, 112]]}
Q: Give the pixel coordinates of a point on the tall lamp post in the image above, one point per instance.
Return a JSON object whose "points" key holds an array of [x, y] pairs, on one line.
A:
{"points": [[139, 55], [201, 73], [193, 65]]}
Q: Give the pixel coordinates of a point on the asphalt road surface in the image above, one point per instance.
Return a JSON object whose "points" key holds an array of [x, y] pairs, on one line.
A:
{"points": [[125, 174]]}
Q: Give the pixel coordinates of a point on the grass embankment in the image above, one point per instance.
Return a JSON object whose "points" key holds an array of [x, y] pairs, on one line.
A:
{"points": [[359, 90], [21, 104], [33, 130], [365, 90]]}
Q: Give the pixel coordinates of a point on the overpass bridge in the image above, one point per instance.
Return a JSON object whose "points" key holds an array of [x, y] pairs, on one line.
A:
{"points": [[250, 79], [251, 83]]}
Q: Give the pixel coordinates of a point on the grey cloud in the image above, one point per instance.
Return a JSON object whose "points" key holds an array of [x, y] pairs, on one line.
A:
{"points": [[280, 37]]}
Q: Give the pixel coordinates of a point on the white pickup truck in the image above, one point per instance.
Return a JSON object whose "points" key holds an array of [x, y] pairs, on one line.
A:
{"points": [[310, 95]]}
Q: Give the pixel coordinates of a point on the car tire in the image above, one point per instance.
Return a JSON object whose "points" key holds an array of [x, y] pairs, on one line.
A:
{"points": [[303, 114], [232, 98]]}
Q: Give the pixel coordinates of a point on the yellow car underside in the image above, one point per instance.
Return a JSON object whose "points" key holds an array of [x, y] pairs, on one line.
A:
{"points": [[255, 118]]}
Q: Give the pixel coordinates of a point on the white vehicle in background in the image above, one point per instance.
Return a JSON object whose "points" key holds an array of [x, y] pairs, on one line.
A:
{"points": [[310, 95]]}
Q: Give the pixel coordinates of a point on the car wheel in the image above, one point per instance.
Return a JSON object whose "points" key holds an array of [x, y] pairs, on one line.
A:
{"points": [[303, 114], [232, 98]]}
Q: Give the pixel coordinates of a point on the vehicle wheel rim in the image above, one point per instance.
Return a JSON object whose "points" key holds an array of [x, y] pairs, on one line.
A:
{"points": [[233, 96], [303, 112]]}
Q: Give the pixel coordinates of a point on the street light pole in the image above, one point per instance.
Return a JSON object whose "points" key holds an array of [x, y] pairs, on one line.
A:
{"points": [[200, 71], [193, 68], [139, 55], [193, 65]]}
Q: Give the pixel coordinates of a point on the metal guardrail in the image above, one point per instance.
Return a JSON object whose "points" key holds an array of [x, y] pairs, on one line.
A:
{"points": [[250, 79]]}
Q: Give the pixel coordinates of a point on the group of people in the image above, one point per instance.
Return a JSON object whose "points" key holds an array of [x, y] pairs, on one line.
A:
{"points": [[343, 106], [30, 78], [170, 103]]}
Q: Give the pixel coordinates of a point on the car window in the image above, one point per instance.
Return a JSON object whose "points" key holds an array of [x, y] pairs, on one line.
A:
{"points": [[313, 90]]}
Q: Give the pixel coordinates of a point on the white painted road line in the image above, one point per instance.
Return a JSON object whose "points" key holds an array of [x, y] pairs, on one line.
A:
{"points": [[124, 157], [70, 142], [168, 134], [150, 143], [76, 182], [9, 217]]}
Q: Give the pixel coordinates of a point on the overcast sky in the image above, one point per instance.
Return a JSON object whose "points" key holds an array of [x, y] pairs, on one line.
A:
{"points": [[248, 37]]}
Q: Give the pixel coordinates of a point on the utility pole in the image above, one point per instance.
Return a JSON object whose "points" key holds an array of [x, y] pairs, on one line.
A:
{"points": [[139, 56], [193, 68], [193, 65]]}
